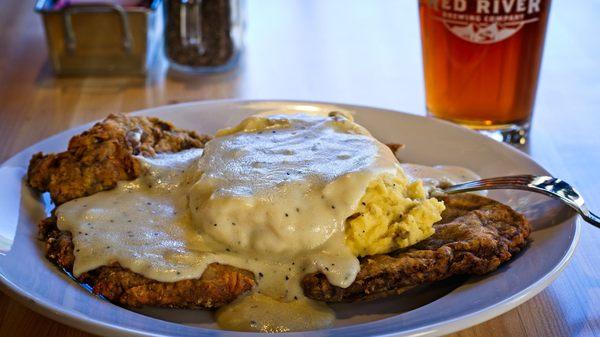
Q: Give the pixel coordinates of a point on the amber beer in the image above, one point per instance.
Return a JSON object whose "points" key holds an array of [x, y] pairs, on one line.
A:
{"points": [[481, 60]]}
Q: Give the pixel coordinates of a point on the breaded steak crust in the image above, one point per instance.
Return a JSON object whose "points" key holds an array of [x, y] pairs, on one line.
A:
{"points": [[218, 285], [103, 155], [475, 235]]}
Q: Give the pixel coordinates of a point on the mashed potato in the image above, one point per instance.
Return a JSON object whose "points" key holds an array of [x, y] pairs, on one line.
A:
{"points": [[394, 213]]}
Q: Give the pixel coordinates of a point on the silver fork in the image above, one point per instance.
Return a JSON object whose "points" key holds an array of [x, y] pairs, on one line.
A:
{"points": [[550, 186]]}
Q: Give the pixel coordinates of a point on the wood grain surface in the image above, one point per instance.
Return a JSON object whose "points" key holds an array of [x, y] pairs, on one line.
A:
{"points": [[343, 51]]}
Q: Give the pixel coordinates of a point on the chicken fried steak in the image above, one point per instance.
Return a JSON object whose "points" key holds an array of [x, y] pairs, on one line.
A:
{"points": [[475, 235], [95, 161]]}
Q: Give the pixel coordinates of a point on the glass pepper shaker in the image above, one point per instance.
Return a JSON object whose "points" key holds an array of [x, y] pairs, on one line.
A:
{"points": [[203, 35]]}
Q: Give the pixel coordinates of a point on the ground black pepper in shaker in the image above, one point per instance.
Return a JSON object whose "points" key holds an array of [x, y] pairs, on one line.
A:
{"points": [[203, 35]]}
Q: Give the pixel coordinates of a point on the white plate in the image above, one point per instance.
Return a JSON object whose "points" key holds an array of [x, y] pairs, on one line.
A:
{"points": [[439, 309]]}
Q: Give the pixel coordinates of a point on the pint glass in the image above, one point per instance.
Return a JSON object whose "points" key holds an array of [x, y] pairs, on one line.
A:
{"points": [[481, 62]]}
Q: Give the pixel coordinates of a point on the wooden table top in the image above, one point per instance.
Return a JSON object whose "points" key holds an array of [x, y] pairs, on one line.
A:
{"points": [[356, 52]]}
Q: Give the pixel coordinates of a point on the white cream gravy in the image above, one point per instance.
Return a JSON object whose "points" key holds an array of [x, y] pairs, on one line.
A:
{"points": [[270, 196], [283, 185]]}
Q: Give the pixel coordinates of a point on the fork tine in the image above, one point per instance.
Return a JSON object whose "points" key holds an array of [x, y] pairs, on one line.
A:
{"points": [[498, 181], [517, 177], [521, 180]]}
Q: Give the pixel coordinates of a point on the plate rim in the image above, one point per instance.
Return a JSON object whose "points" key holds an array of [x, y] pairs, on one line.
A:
{"points": [[78, 321]]}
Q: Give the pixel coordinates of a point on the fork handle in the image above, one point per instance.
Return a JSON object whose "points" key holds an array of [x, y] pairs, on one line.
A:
{"points": [[592, 218]]}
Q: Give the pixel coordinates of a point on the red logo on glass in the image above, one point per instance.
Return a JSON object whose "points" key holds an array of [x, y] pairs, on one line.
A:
{"points": [[486, 21]]}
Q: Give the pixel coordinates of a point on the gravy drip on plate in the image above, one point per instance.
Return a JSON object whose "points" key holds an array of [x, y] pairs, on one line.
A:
{"points": [[257, 312]]}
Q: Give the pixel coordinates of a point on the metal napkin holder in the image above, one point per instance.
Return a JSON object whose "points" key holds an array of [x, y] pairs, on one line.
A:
{"points": [[102, 38]]}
